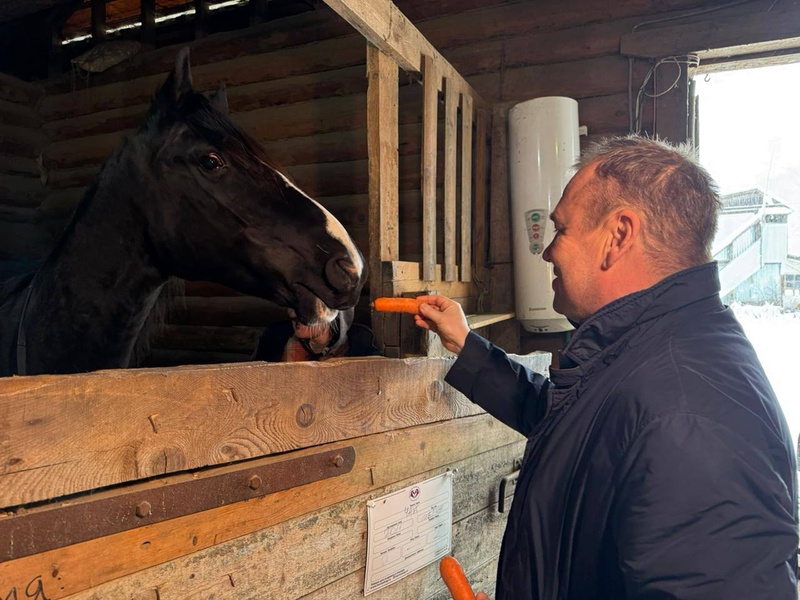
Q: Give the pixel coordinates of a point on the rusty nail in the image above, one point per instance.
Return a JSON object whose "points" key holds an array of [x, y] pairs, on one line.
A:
{"points": [[143, 509], [338, 461], [255, 482]]}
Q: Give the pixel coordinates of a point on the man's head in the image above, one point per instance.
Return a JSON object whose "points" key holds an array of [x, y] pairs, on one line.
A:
{"points": [[637, 211]]}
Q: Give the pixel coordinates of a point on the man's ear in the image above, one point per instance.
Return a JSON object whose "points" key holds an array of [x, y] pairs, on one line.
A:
{"points": [[623, 229]]}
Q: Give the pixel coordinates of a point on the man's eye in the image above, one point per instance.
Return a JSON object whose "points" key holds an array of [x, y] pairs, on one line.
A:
{"points": [[211, 162]]}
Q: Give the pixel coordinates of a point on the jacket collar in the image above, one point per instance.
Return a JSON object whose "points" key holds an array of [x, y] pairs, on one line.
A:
{"points": [[611, 322]]}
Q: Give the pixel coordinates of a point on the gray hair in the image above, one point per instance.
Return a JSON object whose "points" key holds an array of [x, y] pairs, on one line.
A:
{"points": [[676, 197]]}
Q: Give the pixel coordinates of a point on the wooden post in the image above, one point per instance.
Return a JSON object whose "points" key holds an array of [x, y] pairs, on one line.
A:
{"points": [[672, 102], [99, 20], [382, 149], [148, 16], [430, 106], [450, 163], [466, 187], [200, 18]]}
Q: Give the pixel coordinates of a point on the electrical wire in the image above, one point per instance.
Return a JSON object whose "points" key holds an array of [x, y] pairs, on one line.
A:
{"points": [[690, 60], [633, 113]]}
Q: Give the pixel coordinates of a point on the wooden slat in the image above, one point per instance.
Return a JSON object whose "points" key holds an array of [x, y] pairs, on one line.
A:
{"points": [[466, 187], [382, 146], [207, 416], [422, 448], [499, 238], [382, 24], [430, 105], [338, 533], [452, 94], [405, 278], [382, 143], [480, 177]]}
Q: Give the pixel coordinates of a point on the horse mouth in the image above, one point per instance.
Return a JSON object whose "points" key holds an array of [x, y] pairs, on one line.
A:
{"points": [[309, 308]]}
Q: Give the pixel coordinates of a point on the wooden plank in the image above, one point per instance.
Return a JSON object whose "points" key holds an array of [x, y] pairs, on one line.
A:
{"points": [[21, 190], [405, 277], [672, 102], [739, 34], [466, 187], [21, 141], [423, 448], [338, 538], [484, 320], [499, 225], [18, 91], [382, 145], [430, 115], [480, 242], [99, 33], [383, 25], [382, 132], [18, 165], [20, 115], [207, 416], [452, 94]]}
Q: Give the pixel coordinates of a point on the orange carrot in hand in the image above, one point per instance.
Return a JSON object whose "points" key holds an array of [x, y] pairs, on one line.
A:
{"points": [[455, 580], [403, 305]]}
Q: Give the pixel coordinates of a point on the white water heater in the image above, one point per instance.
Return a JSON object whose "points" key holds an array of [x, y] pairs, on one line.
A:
{"points": [[543, 145]]}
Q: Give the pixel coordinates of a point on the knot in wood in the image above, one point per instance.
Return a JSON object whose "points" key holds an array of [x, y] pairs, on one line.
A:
{"points": [[305, 415], [435, 390]]}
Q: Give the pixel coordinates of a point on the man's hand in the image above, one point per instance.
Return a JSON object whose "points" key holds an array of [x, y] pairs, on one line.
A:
{"points": [[445, 318]]}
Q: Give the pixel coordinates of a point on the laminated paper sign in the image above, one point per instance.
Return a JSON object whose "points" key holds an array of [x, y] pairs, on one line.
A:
{"points": [[407, 530]]}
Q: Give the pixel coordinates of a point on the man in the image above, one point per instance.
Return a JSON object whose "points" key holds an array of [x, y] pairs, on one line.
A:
{"points": [[658, 462]]}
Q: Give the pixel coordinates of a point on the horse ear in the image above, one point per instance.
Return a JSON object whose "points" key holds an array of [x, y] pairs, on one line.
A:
{"points": [[178, 83], [219, 99]]}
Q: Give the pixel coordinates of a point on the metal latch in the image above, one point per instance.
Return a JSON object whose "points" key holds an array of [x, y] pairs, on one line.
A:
{"points": [[507, 482]]}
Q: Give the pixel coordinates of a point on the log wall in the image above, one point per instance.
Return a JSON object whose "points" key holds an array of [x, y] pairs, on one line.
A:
{"points": [[299, 85], [23, 239]]}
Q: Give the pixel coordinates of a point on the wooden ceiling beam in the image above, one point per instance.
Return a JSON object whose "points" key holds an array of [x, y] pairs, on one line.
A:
{"points": [[718, 36], [388, 29]]}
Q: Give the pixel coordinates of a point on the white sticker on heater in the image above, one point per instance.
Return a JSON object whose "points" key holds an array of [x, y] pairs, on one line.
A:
{"points": [[535, 223]]}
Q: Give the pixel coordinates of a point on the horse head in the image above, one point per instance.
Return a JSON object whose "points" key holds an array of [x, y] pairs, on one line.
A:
{"points": [[220, 210]]}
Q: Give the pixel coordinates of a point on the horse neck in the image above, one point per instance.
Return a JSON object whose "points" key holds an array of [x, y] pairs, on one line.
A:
{"points": [[92, 295]]}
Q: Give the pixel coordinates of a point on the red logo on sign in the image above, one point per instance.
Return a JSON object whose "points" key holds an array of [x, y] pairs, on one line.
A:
{"points": [[413, 493]]}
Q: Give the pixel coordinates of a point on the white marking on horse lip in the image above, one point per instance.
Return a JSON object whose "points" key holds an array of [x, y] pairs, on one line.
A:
{"points": [[334, 228]]}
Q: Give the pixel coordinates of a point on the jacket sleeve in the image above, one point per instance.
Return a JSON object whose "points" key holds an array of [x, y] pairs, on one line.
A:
{"points": [[504, 388], [702, 513]]}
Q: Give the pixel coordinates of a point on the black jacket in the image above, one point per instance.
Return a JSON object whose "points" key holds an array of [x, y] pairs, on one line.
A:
{"points": [[658, 465]]}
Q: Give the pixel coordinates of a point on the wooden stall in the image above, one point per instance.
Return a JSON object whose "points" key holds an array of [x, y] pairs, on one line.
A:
{"points": [[251, 480], [237, 481]]}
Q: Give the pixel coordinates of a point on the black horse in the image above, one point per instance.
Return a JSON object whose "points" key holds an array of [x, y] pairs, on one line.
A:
{"points": [[188, 195]]}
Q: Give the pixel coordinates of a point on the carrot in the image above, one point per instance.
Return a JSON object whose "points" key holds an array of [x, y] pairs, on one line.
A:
{"points": [[403, 305], [455, 580]]}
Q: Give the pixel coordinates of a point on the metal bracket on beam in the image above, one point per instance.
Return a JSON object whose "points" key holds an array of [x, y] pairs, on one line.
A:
{"points": [[70, 522]]}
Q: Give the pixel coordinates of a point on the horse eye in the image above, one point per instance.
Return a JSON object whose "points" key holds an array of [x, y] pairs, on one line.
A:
{"points": [[211, 162]]}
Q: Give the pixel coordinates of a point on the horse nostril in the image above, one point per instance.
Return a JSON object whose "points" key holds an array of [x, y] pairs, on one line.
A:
{"points": [[341, 273]]}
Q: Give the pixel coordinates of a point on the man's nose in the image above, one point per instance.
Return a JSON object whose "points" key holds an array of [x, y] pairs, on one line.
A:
{"points": [[546, 254]]}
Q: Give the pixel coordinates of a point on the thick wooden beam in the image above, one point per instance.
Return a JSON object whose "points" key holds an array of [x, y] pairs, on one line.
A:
{"points": [[99, 20], [385, 26], [384, 207], [718, 35]]}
